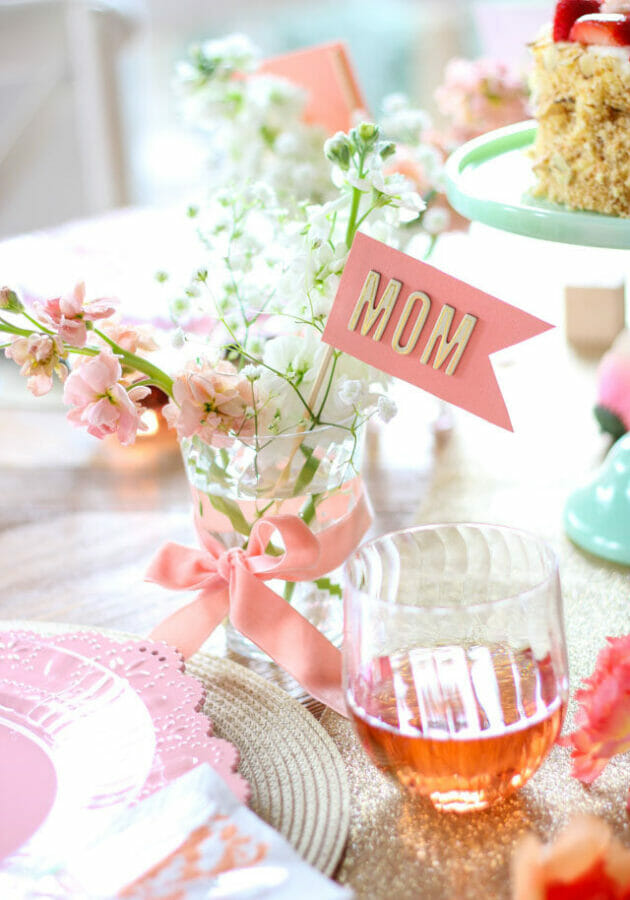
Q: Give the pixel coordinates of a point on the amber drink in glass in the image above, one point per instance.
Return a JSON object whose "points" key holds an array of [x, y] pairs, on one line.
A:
{"points": [[455, 659]]}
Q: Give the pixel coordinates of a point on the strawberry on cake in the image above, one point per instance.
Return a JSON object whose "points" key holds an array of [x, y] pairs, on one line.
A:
{"points": [[581, 97]]}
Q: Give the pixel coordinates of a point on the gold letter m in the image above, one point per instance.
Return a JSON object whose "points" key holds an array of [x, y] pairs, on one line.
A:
{"points": [[459, 340], [383, 308]]}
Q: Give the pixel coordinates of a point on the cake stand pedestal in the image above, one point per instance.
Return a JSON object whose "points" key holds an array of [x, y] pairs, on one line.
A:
{"points": [[490, 180]]}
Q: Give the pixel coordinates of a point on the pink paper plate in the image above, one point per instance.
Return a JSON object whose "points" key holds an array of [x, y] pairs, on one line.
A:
{"points": [[89, 725]]}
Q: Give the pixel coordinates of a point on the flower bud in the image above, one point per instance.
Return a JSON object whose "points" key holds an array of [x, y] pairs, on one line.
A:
{"points": [[435, 220], [10, 301], [366, 135], [337, 150], [386, 408], [387, 149]]}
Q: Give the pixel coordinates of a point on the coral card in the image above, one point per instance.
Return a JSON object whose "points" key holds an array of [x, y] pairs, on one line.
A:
{"points": [[411, 320], [326, 74]]}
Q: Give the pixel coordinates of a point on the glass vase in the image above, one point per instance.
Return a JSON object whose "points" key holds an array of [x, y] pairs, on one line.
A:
{"points": [[313, 474]]}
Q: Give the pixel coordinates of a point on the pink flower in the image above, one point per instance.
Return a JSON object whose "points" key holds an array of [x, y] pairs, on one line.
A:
{"points": [[480, 95], [101, 404], [39, 357], [585, 863], [215, 403], [68, 315], [130, 338], [603, 718], [613, 388]]}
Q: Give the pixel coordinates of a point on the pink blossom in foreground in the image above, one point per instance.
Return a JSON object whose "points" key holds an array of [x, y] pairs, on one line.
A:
{"points": [[584, 863], [130, 338], [215, 403], [480, 95], [613, 387], [68, 315], [603, 718], [39, 356], [100, 403]]}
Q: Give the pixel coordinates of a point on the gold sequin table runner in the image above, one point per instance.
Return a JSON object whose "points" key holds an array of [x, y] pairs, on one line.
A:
{"points": [[399, 848]]}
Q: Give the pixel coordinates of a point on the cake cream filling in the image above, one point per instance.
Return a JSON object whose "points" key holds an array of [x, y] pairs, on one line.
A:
{"points": [[620, 53], [545, 40]]}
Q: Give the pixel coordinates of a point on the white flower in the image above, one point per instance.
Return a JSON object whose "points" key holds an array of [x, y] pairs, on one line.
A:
{"points": [[395, 103], [321, 217], [260, 194], [244, 253], [430, 162], [386, 408], [403, 123], [231, 53], [178, 339], [295, 356], [349, 391], [275, 102], [383, 230], [287, 144], [400, 190], [251, 372], [351, 177], [435, 220]]}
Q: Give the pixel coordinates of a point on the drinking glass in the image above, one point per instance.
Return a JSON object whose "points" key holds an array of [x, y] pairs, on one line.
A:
{"points": [[455, 666]]}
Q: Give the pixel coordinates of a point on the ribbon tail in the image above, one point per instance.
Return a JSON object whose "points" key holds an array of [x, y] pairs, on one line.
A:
{"points": [[287, 637], [188, 627]]}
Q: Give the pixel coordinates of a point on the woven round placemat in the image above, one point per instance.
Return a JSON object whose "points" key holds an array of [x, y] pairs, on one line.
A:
{"points": [[298, 779]]}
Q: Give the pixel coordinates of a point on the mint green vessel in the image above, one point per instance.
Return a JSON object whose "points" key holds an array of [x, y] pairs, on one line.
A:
{"points": [[597, 515]]}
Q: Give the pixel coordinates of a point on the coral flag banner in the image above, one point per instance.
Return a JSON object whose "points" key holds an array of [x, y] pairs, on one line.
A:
{"points": [[326, 74], [413, 321]]}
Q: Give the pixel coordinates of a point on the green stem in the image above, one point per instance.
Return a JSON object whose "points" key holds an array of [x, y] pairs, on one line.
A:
{"points": [[256, 314], [257, 473], [37, 324], [328, 386], [13, 329], [259, 362], [352, 221], [159, 378], [261, 512], [313, 323], [365, 215], [333, 222], [81, 351], [431, 246], [354, 208]]}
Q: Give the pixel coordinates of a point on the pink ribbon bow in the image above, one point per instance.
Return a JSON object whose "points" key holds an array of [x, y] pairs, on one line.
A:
{"points": [[231, 582]]}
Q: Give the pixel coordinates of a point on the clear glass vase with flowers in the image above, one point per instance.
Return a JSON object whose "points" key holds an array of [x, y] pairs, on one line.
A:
{"points": [[270, 419]]}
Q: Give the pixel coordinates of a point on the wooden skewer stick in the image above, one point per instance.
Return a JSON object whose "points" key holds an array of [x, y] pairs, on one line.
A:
{"points": [[312, 397]]}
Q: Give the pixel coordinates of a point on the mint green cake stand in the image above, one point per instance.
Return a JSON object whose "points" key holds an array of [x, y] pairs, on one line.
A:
{"points": [[597, 515], [490, 180]]}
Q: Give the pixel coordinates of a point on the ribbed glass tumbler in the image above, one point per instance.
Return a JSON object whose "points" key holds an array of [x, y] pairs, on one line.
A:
{"points": [[455, 659]]}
